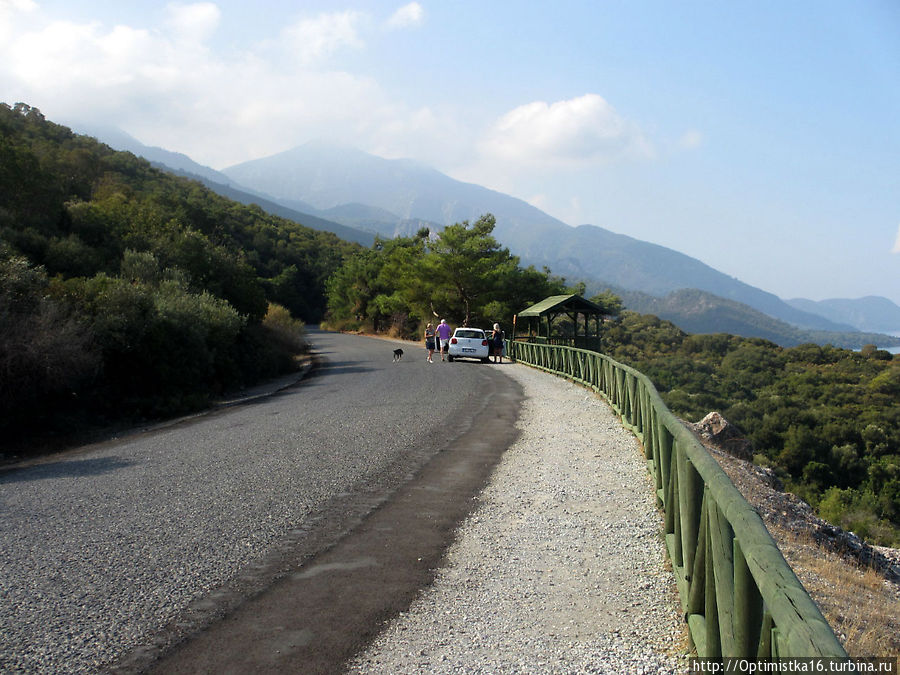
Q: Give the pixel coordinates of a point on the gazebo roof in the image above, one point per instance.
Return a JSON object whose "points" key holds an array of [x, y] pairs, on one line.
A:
{"points": [[556, 304]]}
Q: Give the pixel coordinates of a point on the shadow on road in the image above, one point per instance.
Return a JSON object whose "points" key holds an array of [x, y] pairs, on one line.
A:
{"points": [[343, 368], [64, 469]]}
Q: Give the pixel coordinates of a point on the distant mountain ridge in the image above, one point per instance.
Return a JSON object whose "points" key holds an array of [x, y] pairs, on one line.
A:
{"points": [[328, 177], [356, 195], [872, 313], [221, 184], [696, 311]]}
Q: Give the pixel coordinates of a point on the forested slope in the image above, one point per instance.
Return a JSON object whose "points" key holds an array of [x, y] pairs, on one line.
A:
{"points": [[825, 418], [125, 290]]}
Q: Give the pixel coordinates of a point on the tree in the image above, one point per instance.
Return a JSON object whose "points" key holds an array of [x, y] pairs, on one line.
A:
{"points": [[46, 351], [466, 267], [609, 302]]}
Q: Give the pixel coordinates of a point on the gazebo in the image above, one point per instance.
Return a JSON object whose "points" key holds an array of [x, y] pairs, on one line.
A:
{"points": [[541, 323]]}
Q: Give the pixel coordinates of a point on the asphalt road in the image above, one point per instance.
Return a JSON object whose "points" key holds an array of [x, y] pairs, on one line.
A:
{"points": [[151, 548]]}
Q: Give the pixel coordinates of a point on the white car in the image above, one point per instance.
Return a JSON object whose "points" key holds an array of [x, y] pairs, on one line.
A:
{"points": [[469, 343]]}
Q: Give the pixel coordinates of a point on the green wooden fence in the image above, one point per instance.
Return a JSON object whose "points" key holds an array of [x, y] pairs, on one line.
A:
{"points": [[740, 598]]}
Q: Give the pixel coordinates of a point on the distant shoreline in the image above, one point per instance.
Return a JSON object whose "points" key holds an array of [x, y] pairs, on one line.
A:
{"points": [[894, 350]]}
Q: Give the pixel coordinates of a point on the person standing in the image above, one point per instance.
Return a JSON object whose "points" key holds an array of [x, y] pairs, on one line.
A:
{"points": [[497, 342], [443, 333], [429, 342]]}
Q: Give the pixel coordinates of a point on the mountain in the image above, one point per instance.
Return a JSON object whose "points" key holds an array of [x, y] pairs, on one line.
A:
{"points": [[596, 253], [327, 176], [356, 195], [697, 311], [331, 177], [182, 165], [119, 140], [872, 313]]}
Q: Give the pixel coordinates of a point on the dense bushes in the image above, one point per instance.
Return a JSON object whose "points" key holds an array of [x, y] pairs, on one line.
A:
{"points": [[826, 419], [108, 345], [162, 345], [46, 351], [127, 291]]}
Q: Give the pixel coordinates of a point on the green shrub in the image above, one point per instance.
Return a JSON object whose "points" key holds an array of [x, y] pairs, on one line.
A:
{"points": [[46, 351], [286, 331]]}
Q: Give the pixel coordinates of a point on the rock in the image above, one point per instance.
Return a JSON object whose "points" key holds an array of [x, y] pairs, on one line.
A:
{"points": [[724, 435]]}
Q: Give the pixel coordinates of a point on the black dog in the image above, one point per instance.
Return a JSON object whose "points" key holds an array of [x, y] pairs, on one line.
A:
{"points": [[398, 354]]}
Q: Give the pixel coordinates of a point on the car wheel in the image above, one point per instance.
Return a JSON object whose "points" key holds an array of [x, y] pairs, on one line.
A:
{"points": [[485, 360], [449, 358]]}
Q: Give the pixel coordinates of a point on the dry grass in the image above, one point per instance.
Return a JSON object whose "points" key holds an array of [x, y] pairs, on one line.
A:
{"points": [[861, 607]]}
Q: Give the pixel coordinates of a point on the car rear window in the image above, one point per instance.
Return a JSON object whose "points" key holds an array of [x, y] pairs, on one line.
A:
{"points": [[476, 334]]}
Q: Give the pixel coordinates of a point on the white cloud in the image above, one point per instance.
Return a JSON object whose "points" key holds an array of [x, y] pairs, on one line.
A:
{"points": [[896, 248], [577, 132], [408, 15], [193, 23], [219, 108], [313, 39], [65, 55], [690, 140], [17, 6], [8, 11]]}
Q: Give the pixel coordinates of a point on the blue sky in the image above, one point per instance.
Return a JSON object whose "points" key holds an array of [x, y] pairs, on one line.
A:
{"points": [[760, 137]]}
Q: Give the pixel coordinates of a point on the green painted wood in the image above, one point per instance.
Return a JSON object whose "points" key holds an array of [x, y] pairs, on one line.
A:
{"points": [[691, 495], [665, 454], [748, 606], [676, 508], [722, 547], [697, 631], [776, 643], [765, 637], [713, 634], [702, 563], [678, 573]]}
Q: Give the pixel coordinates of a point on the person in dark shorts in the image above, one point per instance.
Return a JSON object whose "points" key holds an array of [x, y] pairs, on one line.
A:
{"points": [[429, 342]]}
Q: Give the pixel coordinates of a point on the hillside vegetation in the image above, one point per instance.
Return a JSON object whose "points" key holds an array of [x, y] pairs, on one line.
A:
{"points": [[826, 419], [127, 291], [462, 275]]}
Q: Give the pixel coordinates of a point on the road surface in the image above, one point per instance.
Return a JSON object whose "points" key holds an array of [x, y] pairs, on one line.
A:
{"points": [[155, 545]]}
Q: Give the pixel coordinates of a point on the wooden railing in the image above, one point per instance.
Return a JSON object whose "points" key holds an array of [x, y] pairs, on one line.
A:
{"points": [[590, 342], [740, 597]]}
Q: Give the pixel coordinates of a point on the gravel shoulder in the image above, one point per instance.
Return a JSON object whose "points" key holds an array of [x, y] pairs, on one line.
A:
{"points": [[559, 569]]}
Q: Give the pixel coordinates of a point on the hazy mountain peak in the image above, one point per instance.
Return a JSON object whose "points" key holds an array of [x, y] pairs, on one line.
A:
{"points": [[396, 196]]}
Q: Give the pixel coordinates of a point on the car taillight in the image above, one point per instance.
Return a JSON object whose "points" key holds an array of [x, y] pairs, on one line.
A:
{"points": [[484, 343], [453, 341]]}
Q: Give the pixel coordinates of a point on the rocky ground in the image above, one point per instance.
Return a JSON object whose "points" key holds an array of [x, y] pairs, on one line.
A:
{"points": [[855, 585]]}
